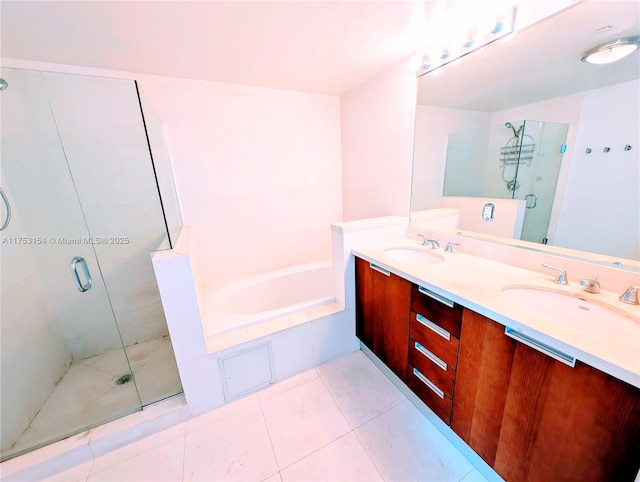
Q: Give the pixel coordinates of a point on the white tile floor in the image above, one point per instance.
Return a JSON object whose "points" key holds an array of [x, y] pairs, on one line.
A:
{"points": [[344, 421], [88, 393]]}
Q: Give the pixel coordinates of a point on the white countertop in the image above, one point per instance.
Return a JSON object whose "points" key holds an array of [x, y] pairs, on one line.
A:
{"points": [[611, 345]]}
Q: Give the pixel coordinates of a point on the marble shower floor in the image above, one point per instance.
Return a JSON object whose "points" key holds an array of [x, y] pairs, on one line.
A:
{"points": [[88, 394], [343, 421]]}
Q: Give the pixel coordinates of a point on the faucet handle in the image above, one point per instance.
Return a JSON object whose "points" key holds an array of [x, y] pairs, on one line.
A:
{"points": [[449, 248], [426, 241], [591, 285], [631, 295], [561, 277]]}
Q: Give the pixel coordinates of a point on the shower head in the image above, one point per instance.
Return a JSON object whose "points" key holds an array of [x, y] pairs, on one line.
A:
{"points": [[3, 84], [510, 126]]}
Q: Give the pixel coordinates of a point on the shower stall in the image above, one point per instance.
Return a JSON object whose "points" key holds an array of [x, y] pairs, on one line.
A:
{"points": [[527, 156], [86, 194]]}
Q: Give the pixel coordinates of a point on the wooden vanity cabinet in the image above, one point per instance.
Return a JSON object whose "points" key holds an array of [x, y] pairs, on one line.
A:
{"points": [[529, 416], [383, 302], [534, 418]]}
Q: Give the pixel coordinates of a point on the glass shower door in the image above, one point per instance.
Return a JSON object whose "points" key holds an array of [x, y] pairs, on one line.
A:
{"points": [[537, 179], [64, 367]]}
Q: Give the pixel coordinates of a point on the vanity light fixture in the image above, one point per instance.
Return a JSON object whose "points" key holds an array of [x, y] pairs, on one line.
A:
{"points": [[611, 51], [475, 40]]}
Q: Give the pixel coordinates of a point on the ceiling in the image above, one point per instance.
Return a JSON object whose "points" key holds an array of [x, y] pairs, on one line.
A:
{"points": [[312, 46], [540, 62]]}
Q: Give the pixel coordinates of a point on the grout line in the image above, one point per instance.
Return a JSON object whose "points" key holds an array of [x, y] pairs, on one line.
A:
{"points": [[353, 430], [93, 459], [345, 365], [366, 422], [122, 461], [467, 474], [381, 413], [295, 387], [223, 417], [335, 401], [319, 448], [111, 452], [404, 399], [375, 466], [266, 426], [316, 450]]}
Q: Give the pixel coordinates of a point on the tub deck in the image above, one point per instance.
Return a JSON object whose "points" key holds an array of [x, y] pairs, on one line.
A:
{"points": [[243, 334]]}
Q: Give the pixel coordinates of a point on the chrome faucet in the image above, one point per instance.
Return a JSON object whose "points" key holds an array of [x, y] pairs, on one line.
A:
{"points": [[449, 248], [591, 285], [426, 241], [631, 295], [561, 277]]}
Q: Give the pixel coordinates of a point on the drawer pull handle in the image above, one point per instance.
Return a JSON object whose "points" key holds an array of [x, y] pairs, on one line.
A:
{"points": [[428, 383], [441, 363], [541, 347], [433, 327], [379, 269], [435, 296]]}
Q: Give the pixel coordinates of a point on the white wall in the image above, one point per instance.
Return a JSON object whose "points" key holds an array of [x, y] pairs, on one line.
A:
{"points": [[257, 172], [603, 188], [433, 126], [377, 143]]}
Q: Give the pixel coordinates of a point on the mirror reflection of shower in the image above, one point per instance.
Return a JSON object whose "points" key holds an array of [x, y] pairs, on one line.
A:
{"points": [[513, 154], [470, 169]]}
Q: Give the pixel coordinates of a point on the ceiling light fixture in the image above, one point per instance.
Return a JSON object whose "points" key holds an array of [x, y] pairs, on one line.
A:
{"points": [[611, 51]]}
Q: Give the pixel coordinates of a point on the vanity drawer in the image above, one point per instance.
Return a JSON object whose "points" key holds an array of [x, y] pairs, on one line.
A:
{"points": [[448, 318], [426, 390], [435, 339], [432, 367]]}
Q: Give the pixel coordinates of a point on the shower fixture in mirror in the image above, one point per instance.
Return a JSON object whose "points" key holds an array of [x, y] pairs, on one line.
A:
{"points": [[503, 162], [527, 120]]}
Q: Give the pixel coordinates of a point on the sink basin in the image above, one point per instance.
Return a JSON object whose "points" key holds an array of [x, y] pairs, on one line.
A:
{"points": [[413, 255], [569, 309]]}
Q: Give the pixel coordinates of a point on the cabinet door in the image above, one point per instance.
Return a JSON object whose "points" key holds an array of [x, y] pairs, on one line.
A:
{"points": [[482, 383], [567, 424], [365, 299], [536, 419], [382, 315], [391, 314]]}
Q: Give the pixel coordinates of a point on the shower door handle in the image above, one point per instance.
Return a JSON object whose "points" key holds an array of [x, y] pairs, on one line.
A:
{"points": [[8, 206], [76, 277]]}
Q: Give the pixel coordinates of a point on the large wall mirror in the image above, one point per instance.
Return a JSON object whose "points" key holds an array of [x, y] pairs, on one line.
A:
{"points": [[526, 119]]}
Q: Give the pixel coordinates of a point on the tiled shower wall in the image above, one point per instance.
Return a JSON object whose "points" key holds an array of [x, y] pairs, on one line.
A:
{"points": [[34, 351]]}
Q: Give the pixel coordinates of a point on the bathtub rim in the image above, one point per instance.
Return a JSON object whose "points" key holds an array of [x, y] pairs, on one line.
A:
{"points": [[214, 299]]}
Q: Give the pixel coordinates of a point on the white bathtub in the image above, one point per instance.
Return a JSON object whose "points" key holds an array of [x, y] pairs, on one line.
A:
{"points": [[268, 296]]}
